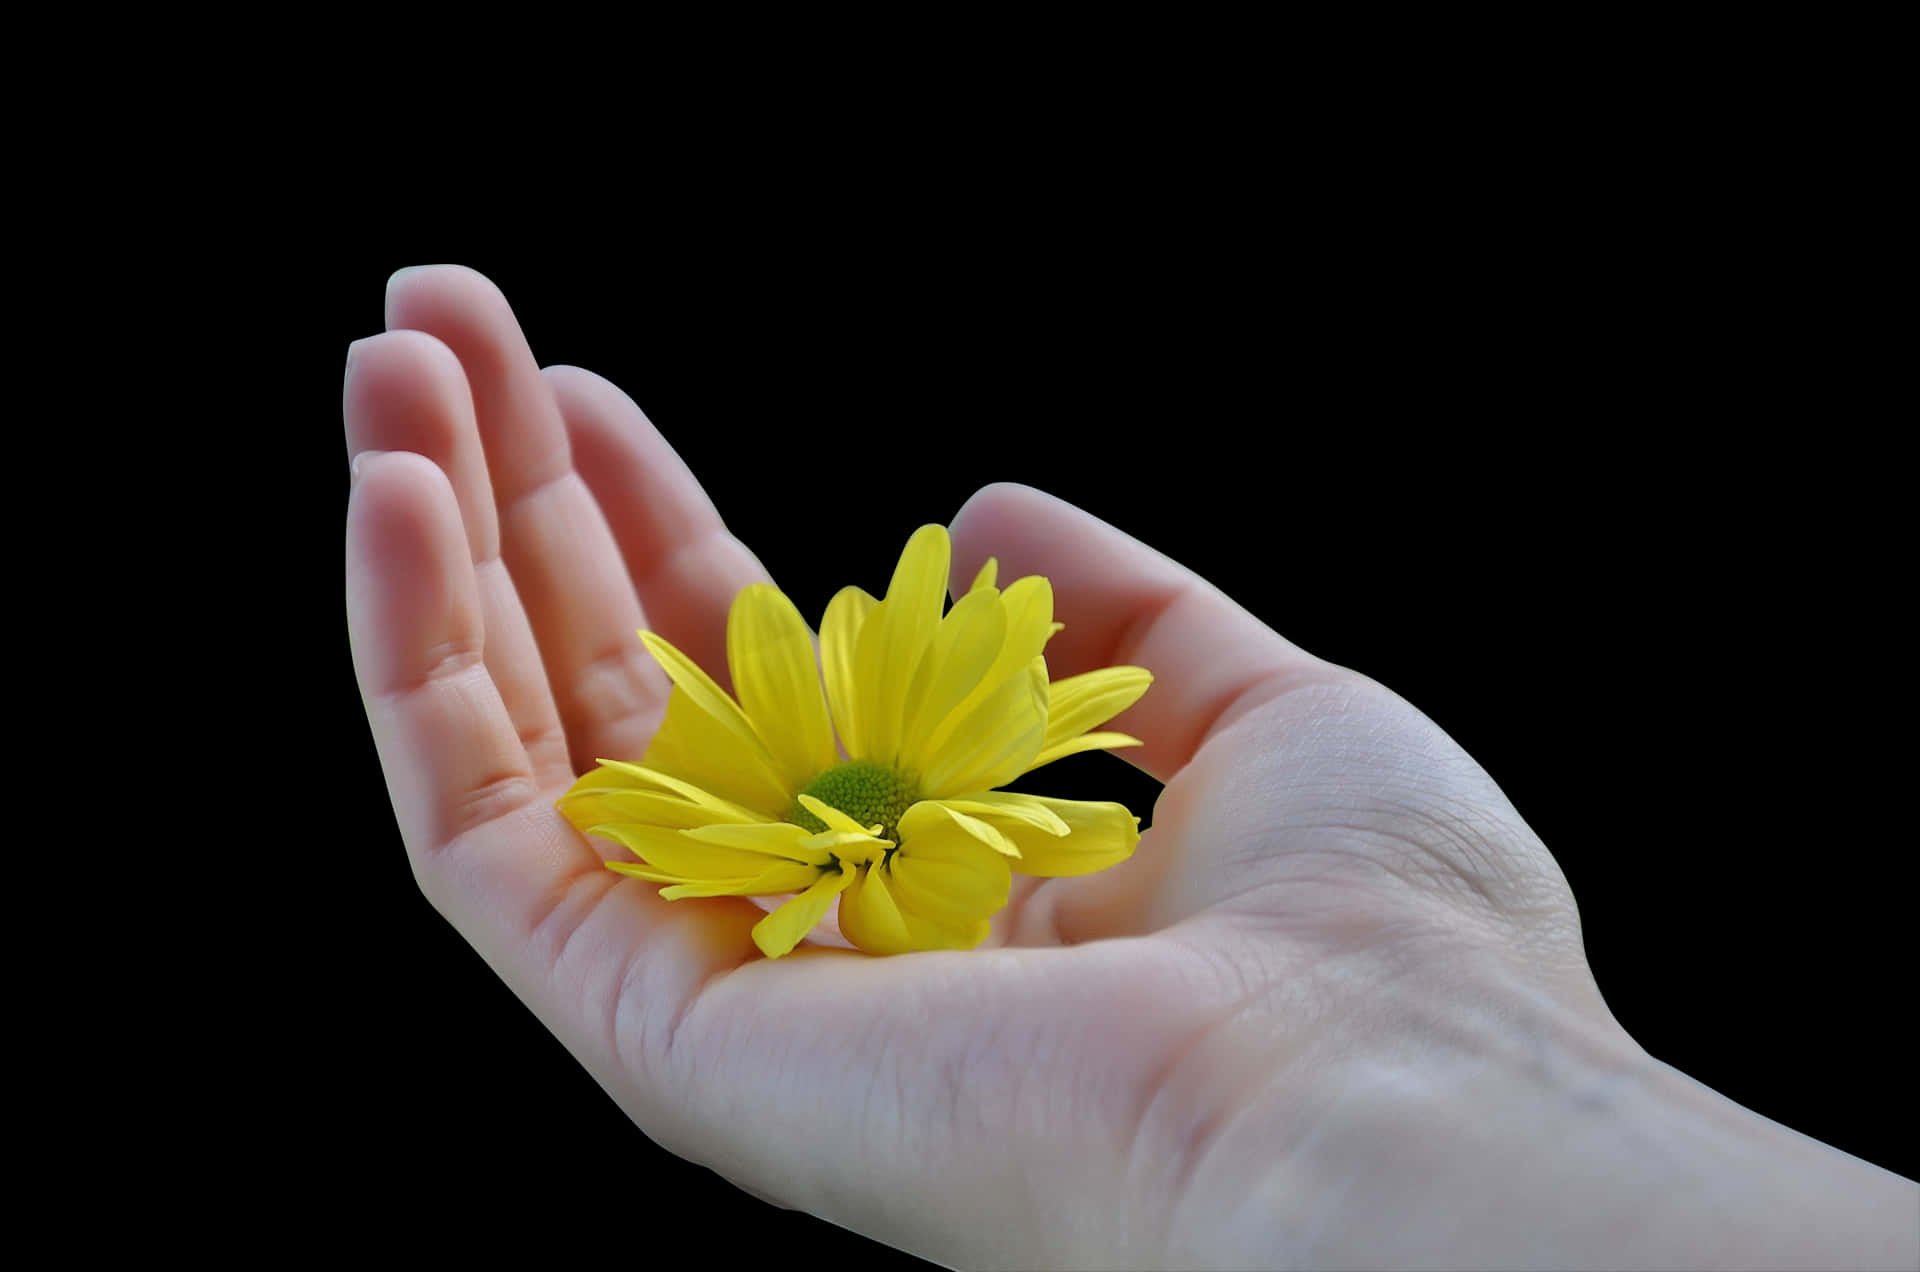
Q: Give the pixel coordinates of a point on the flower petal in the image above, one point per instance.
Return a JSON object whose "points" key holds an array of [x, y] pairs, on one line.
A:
{"points": [[927, 815], [783, 876], [1079, 703], [1085, 742], [617, 791], [1010, 805], [944, 894], [854, 849], [642, 871], [839, 640], [706, 733], [673, 852], [1098, 835], [647, 808], [988, 575], [944, 874], [787, 926], [894, 639], [777, 677], [786, 876], [930, 934], [832, 817], [995, 741], [772, 839], [965, 646], [870, 918], [1028, 607], [697, 748]]}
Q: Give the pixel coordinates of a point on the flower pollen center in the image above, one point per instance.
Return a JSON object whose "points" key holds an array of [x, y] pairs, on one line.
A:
{"points": [[864, 791]]}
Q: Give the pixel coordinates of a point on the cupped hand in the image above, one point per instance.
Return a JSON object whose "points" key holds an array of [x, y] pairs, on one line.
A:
{"points": [[1335, 1001]]}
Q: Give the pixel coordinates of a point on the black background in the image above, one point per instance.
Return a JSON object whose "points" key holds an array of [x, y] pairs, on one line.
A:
{"points": [[1564, 470]]}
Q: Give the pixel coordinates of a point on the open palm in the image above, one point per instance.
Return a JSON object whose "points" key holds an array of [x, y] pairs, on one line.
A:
{"points": [[1150, 1066]]}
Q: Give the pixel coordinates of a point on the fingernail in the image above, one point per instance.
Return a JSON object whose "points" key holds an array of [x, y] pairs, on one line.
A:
{"points": [[402, 272], [351, 346], [357, 465]]}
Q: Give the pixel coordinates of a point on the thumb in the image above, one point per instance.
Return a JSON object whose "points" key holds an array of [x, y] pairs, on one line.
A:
{"points": [[1280, 765]]}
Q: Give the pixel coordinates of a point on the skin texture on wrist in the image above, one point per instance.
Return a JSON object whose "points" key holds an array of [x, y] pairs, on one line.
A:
{"points": [[1490, 1126]]}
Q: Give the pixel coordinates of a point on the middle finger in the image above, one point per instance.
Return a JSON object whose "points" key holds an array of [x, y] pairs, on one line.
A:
{"points": [[556, 544]]}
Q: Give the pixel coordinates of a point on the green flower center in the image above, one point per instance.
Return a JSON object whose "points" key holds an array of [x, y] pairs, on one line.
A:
{"points": [[864, 791]]}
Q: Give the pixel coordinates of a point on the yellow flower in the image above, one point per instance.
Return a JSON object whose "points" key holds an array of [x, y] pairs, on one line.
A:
{"points": [[751, 797]]}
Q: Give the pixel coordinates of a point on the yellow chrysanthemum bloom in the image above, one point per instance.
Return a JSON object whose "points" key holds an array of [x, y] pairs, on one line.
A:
{"points": [[904, 825]]}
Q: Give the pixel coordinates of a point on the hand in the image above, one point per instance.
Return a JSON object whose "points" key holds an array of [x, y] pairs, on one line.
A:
{"points": [[1335, 1010]]}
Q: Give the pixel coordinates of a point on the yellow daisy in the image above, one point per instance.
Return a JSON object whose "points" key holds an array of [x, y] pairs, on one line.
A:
{"points": [[901, 821]]}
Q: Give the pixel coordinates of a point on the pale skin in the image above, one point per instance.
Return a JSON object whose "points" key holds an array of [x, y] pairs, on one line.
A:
{"points": [[1335, 1012]]}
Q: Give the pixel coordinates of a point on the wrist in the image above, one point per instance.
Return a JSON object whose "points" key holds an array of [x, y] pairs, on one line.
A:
{"points": [[1531, 1134], [1485, 1124]]}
